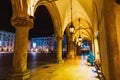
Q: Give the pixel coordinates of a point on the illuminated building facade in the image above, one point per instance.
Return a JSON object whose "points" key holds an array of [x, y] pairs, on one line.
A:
{"points": [[6, 41], [45, 44]]}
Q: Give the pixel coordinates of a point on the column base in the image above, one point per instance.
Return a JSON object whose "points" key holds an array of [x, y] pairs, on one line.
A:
{"points": [[19, 75], [59, 61], [69, 56]]}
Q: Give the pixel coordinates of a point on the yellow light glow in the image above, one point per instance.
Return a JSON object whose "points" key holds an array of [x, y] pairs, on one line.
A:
{"points": [[96, 48], [79, 43], [31, 5]]}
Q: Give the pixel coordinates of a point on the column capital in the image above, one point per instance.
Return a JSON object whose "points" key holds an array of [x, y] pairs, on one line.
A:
{"points": [[59, 38], [22, 22]]}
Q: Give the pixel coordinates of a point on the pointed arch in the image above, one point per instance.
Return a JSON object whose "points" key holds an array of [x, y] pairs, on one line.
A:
{"points": [[54, 13]]}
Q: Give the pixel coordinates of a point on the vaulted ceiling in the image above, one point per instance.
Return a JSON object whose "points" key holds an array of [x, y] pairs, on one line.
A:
{"points": [[89, 12]]}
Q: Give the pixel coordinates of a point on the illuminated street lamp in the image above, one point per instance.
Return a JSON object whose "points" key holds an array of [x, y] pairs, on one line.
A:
{"points": [[79, 38], [79, 43], [71, 28]]}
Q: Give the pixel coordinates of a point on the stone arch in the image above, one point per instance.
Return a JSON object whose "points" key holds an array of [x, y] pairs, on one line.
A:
{"points": [[54, 13]]}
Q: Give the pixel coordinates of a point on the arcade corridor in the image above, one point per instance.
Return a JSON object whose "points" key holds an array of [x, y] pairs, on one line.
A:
{"points": [[95, 21]]}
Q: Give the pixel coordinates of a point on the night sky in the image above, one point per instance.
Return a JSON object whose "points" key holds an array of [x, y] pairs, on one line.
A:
{"points": [[5, 15], [43, 25]]}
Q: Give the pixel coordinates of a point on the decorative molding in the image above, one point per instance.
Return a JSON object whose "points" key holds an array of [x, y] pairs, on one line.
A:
{"points": [[21, 22]]}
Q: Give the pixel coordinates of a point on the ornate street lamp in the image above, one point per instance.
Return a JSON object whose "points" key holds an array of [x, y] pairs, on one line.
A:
{"points": [[79, 38], [78, 43], [71, 28]]}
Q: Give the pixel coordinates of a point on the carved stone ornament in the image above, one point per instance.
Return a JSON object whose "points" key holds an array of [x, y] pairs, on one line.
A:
{"points": [[58, 38], [21, 22]]}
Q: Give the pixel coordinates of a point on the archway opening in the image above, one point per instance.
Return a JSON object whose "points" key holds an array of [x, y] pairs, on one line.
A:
{"points": [[42, 35], [43, 25]]}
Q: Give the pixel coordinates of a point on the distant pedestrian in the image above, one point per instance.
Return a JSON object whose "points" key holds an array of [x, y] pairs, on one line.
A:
{"points": [[90, 58]]}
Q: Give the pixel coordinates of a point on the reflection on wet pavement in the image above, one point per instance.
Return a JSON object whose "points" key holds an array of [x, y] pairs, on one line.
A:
{"points": [[42, 67]]}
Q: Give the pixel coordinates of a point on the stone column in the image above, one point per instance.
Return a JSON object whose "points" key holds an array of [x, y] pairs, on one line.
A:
{"points": [[93, 48], [71, 50], [96, 48], [75, 50], [112, 40], [78, 51], [19, 67], [59, 49]]}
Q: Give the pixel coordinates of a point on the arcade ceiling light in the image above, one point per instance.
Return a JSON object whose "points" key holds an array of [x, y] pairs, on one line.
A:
{"points": [[72, 28]]}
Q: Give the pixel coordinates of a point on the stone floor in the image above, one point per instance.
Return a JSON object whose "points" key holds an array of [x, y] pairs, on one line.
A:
{"points": [[46, 69], [75, 69]]}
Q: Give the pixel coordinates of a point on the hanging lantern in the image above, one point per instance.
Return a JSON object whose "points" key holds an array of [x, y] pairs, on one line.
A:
{"points": [[79, 39], [79, 43], [72, 28]]}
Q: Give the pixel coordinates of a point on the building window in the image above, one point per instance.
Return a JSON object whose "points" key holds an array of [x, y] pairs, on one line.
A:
{"points": [[8, 44], [4, 37], [11, 40], [11, 44]]}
